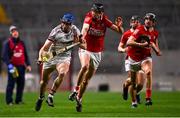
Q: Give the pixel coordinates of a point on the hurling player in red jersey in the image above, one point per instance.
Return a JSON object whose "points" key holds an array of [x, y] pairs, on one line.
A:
{"points": [[134, 23], [139, 55], [93, 31], [155, 46]]}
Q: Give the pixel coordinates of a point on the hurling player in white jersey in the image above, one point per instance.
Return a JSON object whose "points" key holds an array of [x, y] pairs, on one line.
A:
{"points": [[63, 35]]}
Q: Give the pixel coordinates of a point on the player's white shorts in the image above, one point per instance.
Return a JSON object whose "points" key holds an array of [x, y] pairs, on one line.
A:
{"points": [[127, 65], [136, 66], [95, 57], [55, 61]]}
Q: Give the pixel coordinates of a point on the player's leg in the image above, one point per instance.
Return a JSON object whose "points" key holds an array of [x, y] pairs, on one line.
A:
{"points": [[95, 59], [62, 69], [9, 89], [20, 85], [90, 72], [147, 68], [133, 90], [84, 60], [126, 85], [43, 84], [140, 82], [135, 67]]}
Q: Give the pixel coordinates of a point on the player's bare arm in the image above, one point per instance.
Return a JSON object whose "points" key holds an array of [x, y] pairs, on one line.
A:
{"points": [[156, 49], [121, 47], [157, 45], [117, 26], [81, 40], [131, 42], [84, 31], [44, 49]]}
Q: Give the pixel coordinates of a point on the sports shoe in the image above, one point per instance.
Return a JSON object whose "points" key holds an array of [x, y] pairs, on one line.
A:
{"points": [[125, 92], [73, 95], [138, 98], [134, 105], [148, 102], [49, 101], [19, 103], [10, 104], [79, 104], [39, 104]]}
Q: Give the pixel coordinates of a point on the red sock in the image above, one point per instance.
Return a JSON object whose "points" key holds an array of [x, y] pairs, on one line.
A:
{"points": [[148, 93]]}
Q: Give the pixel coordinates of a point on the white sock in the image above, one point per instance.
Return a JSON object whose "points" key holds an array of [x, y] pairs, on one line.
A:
{"points": [[50, 96], [134, 102]]}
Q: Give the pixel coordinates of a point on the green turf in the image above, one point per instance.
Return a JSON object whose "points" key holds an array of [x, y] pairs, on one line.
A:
{"points": [[97, 104]]}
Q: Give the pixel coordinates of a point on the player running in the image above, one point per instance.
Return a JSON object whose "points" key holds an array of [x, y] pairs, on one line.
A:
{"points": [[134, 23], [154, 39], [93, 31], [139, 54], [64, 34]]}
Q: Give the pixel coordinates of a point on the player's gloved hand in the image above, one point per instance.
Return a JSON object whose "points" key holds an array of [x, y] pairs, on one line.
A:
{"points": [[10, 68], [81, 40], [39, 61]]}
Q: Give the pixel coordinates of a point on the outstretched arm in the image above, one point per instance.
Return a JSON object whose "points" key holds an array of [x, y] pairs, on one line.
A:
{"points": [[117, 26]]}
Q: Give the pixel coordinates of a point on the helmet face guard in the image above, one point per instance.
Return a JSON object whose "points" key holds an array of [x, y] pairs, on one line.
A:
{"points": [[134, 21], [150, 16], [97, 7]]}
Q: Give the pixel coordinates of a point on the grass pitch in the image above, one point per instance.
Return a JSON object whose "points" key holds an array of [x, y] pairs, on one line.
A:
{"points": [[97, 104]]}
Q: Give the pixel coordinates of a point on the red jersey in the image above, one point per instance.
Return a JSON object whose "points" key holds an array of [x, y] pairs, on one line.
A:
{"points": [[125, 37], [18, 57], [137, 53], [96, 32]]}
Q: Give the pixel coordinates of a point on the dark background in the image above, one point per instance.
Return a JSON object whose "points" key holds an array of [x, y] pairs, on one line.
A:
{"points": [[36, 18]]}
